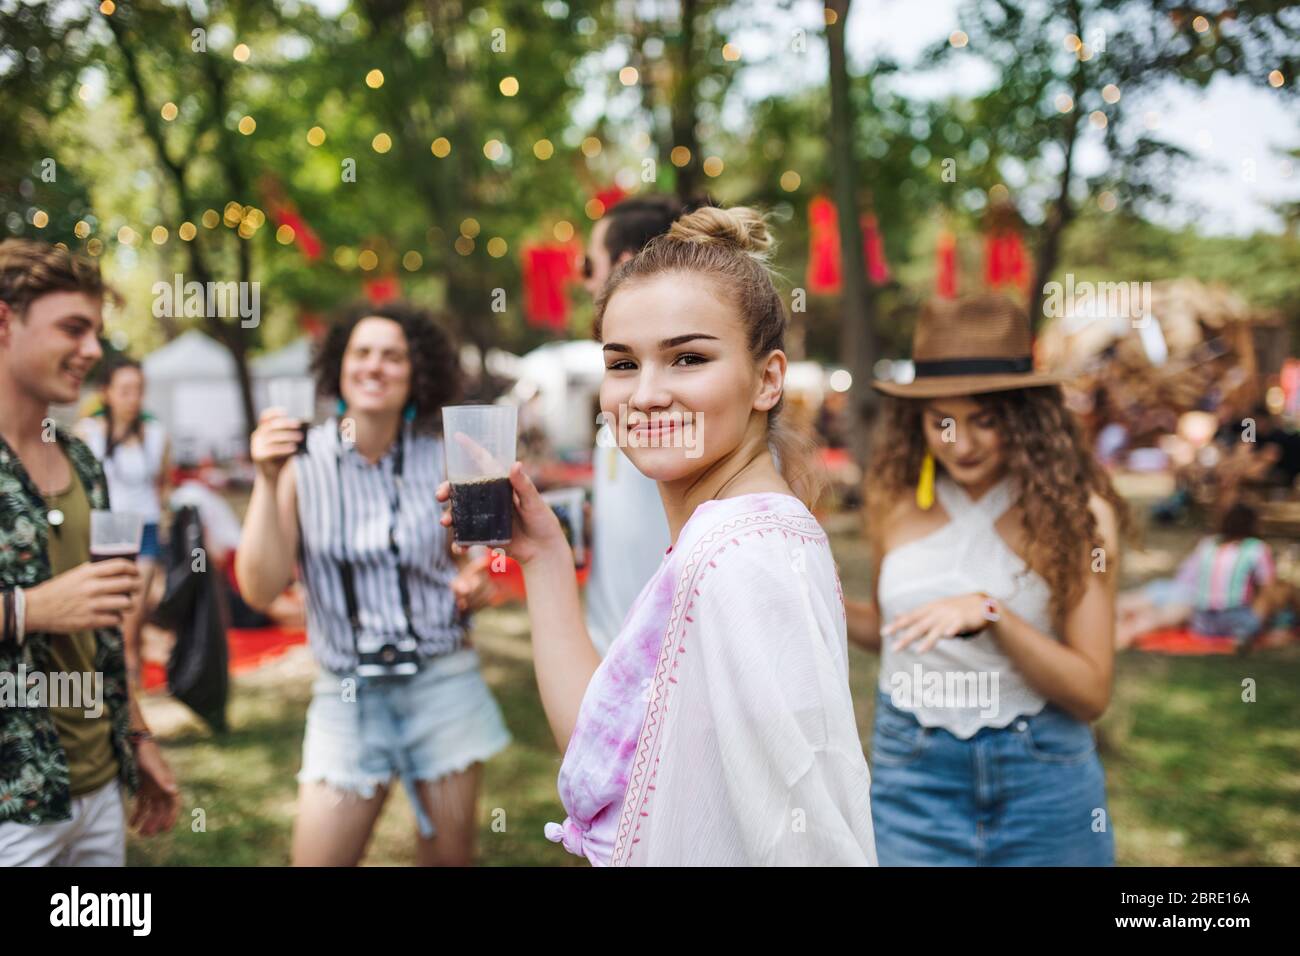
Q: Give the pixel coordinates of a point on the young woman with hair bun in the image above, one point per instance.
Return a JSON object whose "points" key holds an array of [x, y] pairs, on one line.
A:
{"points": [[719, 728]]}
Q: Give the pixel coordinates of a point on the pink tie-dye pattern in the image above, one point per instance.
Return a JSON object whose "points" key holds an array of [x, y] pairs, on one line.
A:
{"points": [[598, 762]]}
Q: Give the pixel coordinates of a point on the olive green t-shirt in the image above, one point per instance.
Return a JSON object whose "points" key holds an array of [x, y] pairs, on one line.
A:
{"points": [[87, 740]]}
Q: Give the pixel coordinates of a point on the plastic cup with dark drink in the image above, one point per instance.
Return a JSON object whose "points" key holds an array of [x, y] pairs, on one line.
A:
{"points": [[480, 443], [297, 396], [115, 534]]}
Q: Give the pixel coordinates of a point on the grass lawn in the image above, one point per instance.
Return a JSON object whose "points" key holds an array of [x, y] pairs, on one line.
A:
{"points": [[1195, 775]]}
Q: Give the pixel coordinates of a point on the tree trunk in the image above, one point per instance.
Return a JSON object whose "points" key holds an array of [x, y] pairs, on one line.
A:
{"points": [[683, 100], [1062, 212], [229, 334], [1049, 242], [236, 340], [858, 306]]}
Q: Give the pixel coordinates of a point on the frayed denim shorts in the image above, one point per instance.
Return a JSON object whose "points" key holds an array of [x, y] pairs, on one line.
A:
{"points": [[363, 731], [1032, 793]]}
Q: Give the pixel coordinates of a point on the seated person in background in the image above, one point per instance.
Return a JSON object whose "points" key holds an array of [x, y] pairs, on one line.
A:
{"points": [[1160, 604], [1257, 452], [1232, 580], [1275, 436]]}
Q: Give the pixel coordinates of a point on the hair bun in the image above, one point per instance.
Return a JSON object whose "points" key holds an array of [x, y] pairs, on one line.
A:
{"points": [[741, 227]]}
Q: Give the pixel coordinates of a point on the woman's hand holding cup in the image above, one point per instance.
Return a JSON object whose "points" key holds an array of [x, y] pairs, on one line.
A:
{"points": [[536, 532], [274, 442]]}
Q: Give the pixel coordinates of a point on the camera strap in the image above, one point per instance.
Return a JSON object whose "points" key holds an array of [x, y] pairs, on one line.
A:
{"points": [[347, 571]]}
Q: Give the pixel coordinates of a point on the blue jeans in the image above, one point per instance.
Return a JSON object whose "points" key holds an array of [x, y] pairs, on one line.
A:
{"points": [[1029, 794], [150, 543]]}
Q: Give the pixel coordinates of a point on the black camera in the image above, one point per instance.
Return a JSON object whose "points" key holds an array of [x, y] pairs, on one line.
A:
{"points": [[394, 658]]}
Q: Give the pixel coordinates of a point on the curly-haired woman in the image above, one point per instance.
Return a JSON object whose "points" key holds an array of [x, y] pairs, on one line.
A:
{"points": [[399, 693], [993, 606]]}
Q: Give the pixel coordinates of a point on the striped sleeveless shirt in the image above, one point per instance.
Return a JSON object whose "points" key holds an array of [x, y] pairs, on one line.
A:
{"points": [[352, 523]]}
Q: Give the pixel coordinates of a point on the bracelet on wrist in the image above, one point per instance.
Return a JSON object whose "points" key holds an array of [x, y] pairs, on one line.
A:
{"points": [[992, 614], [992, 608], [7, 603], [137, 737], [15, 611], [20, 615]]}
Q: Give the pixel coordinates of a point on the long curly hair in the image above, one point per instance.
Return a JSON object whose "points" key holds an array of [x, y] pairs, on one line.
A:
{"points": [[435, 363], [1047, 461]]}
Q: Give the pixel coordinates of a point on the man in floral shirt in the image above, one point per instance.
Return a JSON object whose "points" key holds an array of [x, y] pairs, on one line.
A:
{"points": [[71, 738]]}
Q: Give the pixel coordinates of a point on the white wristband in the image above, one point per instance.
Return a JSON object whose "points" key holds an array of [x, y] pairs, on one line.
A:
{"points": [[20, 615]]}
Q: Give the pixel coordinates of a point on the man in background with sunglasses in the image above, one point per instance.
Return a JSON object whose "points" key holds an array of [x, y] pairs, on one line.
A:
{"points": [[629, 529], [71, 738]]}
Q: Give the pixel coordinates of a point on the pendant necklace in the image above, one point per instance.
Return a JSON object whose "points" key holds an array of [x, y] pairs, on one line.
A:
{"points": [[54, 516]]}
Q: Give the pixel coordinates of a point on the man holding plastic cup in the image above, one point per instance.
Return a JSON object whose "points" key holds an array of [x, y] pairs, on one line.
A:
{"points": [[73, 743]]}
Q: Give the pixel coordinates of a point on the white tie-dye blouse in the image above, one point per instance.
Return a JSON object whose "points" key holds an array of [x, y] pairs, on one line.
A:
{"points": [[719, 728]]}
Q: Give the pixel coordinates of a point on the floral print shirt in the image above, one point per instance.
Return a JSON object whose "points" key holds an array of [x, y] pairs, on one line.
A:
{"points": [[34, 785]]}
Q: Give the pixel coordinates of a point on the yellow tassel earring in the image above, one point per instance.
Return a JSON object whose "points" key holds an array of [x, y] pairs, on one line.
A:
{"points": [[925, 485]]}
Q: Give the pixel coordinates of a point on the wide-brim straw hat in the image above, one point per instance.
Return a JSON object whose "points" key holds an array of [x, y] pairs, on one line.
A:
{"points": [[970, 346]]}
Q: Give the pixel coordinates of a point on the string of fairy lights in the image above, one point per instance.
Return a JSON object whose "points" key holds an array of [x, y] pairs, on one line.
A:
{"points": [[248, 219]]}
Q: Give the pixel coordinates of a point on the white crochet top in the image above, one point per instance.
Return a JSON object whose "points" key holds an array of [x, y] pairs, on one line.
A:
{"points": [[961, 685]]}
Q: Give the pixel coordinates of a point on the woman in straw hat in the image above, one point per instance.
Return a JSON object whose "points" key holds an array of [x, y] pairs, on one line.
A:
{"points": [[993, 609]]}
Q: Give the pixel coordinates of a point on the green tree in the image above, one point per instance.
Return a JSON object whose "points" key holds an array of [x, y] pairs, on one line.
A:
{"points": [[42, 51], [858, 308], [1064, 69]]}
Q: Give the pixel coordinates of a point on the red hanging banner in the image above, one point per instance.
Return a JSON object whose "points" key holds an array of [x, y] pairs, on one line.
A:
{"points": [[873, 250], [382, 289], [547, 271], [1005, 261], [945, 279], [610, 197], [312, 324], [823, 247], [285, 213], [304, 236], [825, 272]]}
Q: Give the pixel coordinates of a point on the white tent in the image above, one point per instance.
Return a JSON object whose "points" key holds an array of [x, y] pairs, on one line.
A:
{"points": [[499, 362], [807, 380], [192, 388]]}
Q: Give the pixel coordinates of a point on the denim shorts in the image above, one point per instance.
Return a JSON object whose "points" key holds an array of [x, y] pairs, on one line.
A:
{"points": [[150, 543], [1240, 623], [1032, 793], [363, 731]]}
